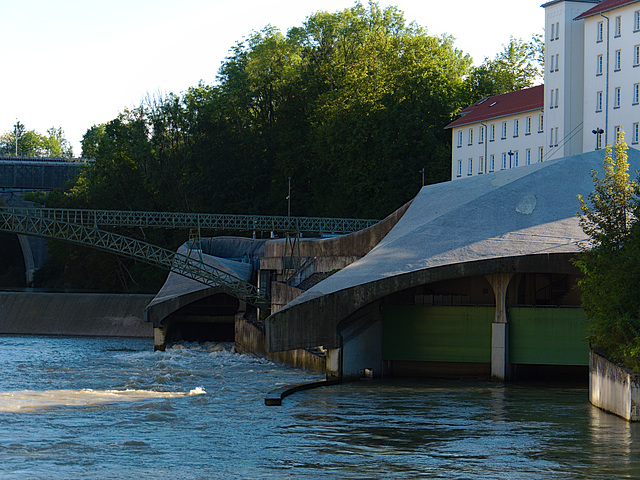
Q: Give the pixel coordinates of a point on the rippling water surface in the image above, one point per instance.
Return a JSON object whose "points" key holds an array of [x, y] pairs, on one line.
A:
{"points": [[113, 408]]}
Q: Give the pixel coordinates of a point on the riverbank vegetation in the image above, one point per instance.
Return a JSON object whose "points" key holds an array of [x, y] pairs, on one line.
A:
{"points": [[611, 261], [350, 106]]}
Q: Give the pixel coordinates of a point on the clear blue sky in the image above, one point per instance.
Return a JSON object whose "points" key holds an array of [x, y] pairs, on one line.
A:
{"points": [[76, 63]]}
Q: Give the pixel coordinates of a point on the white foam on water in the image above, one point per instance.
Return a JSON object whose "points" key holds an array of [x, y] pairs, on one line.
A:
{"points": [[32, 400]]}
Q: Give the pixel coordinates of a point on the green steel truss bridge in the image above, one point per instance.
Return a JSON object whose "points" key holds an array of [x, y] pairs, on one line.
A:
{"points": [[203, 221], [84, 227]]}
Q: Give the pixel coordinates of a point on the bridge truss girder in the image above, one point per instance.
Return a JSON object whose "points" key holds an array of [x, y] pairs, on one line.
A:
{"points": [[201, 221], [13, 221]]}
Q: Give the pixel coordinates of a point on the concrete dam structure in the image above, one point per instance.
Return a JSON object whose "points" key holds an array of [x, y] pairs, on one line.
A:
{"points": [[476, 278]]}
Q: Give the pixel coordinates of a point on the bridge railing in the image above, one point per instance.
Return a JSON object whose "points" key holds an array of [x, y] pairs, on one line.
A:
{"points": [[204, 221]]}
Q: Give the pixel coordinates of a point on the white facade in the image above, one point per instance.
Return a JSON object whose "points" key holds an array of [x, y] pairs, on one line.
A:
{"points": [[498, 144], [563, 76], [611, 95], [591, 92]]}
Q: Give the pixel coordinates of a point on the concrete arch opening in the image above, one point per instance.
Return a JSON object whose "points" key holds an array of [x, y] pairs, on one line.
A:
{"points": [[208, 319], [16, 261], [447, 329]]}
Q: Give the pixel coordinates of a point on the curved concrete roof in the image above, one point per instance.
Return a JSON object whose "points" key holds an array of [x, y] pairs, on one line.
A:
{"points": [[218, 252], [481, 224]]}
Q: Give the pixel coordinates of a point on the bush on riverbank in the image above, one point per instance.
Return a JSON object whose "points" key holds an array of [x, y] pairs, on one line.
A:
{"points": [[611, 260]]}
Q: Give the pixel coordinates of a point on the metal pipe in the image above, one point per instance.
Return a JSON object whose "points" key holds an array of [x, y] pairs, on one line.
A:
{"points": [[606, 94], [486, 139]]}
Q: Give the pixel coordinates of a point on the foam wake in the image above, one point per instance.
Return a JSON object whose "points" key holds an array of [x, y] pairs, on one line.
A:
{"points": [[32, 400]]}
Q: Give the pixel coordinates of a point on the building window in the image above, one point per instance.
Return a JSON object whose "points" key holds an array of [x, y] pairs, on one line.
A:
{"points": [[636, 56], [459, 168], [504, 130], [636, 94], [504, 160], [492, 162], [634, 133], [598, 101], [551, 99], [481, 167], [481, 134], [553, 33], [636, 21], [616, 98], [528, 156], [470, 171], [556, 142], [459, 138], [541, 123], [557, 30], [617, 130], [599, 32], [551, 68], [617, 61], [598, 141], [599, 65], [557, 96], [492, 132], [516, 127], [540, 154], [470, 136], [617, 27], [551, 138], [515, 158], [557, 62], [527, 126]]}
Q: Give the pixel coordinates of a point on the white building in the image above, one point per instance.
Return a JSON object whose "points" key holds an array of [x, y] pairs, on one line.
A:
{"points": [[611, 72], [591, 91], [499, 132]]}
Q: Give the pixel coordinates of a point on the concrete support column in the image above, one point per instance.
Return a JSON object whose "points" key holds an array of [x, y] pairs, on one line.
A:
{"points": [[500, 367], [334, 360], [159, 338]]}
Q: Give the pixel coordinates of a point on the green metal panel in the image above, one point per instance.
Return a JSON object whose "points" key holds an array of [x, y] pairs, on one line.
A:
{"points": [[547, 336], [437, 334]]}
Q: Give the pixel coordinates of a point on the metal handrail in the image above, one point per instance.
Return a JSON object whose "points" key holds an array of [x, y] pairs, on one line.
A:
{"points": [[207, 221]]}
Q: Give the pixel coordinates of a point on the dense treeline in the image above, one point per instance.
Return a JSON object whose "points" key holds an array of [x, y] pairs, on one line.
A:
{"points": [[351, 106]]}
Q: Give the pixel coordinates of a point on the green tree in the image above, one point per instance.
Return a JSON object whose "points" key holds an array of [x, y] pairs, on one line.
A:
{"points": [[91, 141], [56, 145], [610, 262], [32, 144], [518, 66]]}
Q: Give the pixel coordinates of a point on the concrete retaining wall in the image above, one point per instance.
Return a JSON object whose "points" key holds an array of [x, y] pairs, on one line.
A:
{"points": [[250, 339], [282, 294], [109, 315], [613, 388], [351, 246]]}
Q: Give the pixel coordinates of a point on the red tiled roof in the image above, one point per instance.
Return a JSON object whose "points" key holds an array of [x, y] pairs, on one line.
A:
{"points": [[605, 6], [502, 105]]}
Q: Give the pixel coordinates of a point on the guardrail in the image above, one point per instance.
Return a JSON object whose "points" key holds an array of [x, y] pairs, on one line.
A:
{"points": [[203, 221]]}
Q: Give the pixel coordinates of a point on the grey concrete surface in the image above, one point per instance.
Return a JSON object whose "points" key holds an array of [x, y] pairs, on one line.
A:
{"points": [[524, 218]]}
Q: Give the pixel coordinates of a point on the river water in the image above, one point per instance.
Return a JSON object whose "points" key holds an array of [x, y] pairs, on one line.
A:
{"points": [[80, 408]]}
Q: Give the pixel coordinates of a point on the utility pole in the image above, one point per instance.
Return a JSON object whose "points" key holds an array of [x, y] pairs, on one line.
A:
{"points": [[289, 200]]}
